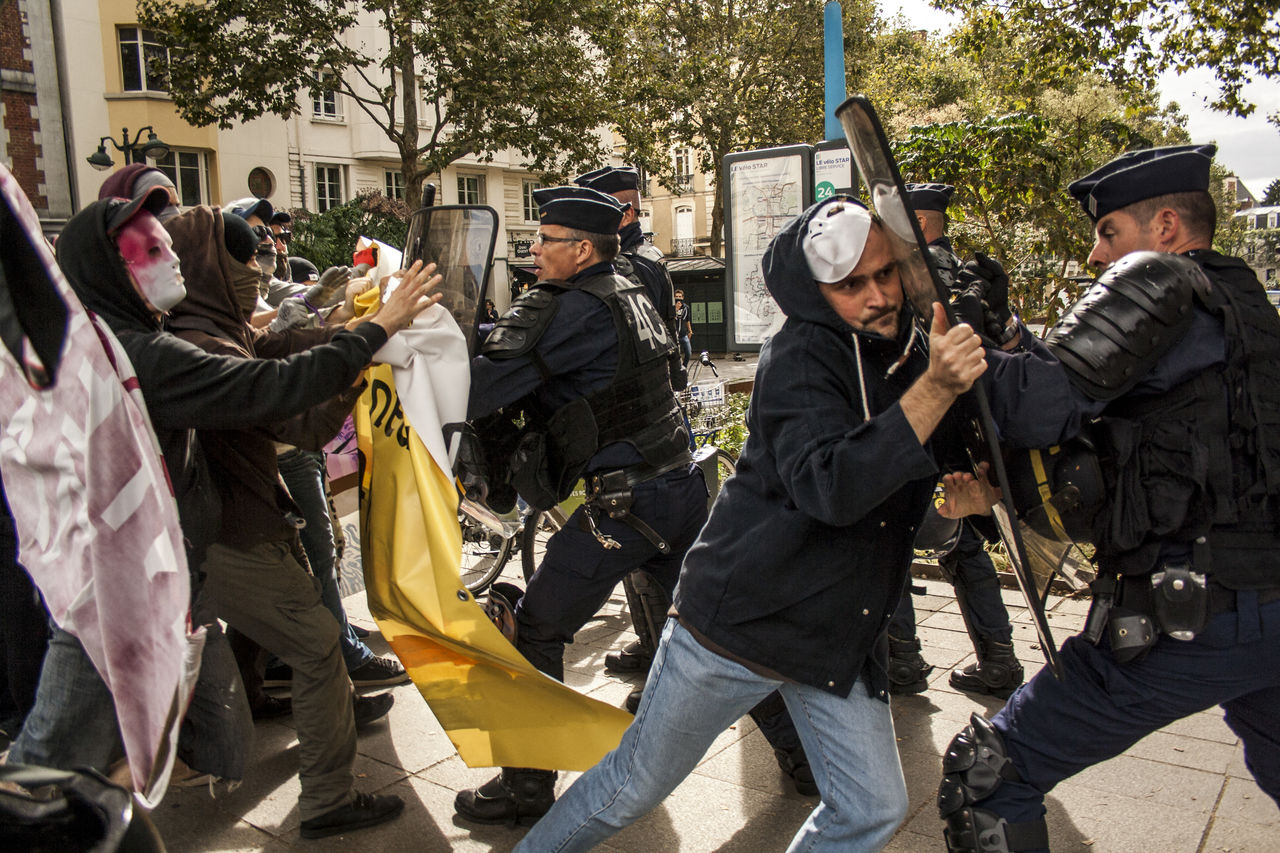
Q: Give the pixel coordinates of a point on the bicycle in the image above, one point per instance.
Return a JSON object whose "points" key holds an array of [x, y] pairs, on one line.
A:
{"points": [[706, 408]]}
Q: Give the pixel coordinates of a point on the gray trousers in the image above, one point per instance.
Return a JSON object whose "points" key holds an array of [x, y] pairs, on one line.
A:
{"points": [[267, 595]]}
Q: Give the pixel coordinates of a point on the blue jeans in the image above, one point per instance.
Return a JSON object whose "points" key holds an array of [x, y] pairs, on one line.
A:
{"points": [[692, 695], [303, 473], [73, 723], [686, 349]]}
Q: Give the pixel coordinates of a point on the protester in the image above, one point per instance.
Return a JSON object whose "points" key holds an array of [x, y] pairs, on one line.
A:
{"points": [[791, 583], [1177, 358], [186, 388], [584, 355]]}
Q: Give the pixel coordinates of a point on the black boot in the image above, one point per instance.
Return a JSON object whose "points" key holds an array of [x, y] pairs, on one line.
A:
{"points": [[908, 672], [516, 795], [634, 657], [997, 673]]}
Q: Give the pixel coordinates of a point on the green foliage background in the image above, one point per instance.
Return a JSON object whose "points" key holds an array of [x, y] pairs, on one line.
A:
{"points": [[329, 239]]}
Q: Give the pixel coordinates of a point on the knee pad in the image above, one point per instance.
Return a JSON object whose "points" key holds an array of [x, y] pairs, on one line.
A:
{"points": [[974, 766], [971, 830]]}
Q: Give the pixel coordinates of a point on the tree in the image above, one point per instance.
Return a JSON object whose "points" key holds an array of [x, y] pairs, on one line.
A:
{"points": [[328, 239], [1271, 195], [484, 75], [1132, 41], [720, 76]]}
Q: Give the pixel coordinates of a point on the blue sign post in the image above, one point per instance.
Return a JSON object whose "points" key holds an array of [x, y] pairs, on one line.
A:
{"points": [[833, 68]]}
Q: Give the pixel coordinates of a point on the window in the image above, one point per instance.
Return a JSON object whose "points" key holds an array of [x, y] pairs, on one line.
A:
{"points": [[144, 61], [328, 187], [683, 159], [530, 206], [471, 189], [189, 171], [393, 184], [1271, 220], [326, 104]]}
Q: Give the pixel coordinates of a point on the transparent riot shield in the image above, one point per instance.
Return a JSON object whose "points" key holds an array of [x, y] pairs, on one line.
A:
{"points": [[922, 285], [459, 239]]}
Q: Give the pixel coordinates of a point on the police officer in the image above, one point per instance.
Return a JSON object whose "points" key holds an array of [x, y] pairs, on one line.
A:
{"points": [[640, 262], [966, 564], [584, 356], [1177, 358]]}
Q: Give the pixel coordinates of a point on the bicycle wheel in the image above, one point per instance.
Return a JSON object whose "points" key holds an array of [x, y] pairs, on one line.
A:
{"points": [[484, 554], [538, 528], [726, 463]]}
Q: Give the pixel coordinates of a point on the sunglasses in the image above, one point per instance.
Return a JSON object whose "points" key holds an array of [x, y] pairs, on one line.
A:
{"points": [[284, 236]]}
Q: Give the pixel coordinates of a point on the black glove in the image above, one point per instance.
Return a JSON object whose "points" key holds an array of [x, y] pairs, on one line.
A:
{"points": [[984, 278]]}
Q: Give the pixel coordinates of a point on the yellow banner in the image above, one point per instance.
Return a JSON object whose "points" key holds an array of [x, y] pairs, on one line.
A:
{"points": [[496, 708]]}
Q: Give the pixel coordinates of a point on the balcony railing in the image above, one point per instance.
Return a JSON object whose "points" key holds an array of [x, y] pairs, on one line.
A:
{"points": [[682, 247]]}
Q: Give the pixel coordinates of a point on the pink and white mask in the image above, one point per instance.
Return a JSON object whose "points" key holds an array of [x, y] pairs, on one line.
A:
{"points": [[147, 251]]}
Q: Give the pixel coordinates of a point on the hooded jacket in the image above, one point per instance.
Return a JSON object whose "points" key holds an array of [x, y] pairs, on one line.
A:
{"points": [[187, 388], [243, 461]]}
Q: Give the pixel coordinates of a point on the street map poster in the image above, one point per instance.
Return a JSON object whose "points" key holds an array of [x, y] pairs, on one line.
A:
{"points": [[764, 190]]}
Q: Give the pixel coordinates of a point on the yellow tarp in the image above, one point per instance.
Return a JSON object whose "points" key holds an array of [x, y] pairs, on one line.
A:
{"points": [[496, 708]]}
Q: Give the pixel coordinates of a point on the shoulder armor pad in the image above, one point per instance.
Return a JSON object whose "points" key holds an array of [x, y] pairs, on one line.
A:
{"points": [[1132, 315], [650, 252], [627, 269], [526, 321]]}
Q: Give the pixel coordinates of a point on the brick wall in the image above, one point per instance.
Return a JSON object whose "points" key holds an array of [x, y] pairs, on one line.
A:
{"points": [[20, 144]]}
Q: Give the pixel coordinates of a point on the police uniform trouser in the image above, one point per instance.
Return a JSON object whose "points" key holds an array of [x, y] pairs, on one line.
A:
{"points": [[1053, 729], [266, 594], [578, 574]]}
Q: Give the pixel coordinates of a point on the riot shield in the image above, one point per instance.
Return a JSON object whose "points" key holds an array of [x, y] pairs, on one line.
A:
{"points": [[459, 239], [922, 285]]}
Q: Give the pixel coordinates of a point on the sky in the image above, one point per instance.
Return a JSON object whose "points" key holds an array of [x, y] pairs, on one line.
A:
{"points": [[1249, 147]]}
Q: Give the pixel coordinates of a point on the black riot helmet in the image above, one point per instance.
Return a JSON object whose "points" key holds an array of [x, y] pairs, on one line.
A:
{"points": [[1058, 490]]}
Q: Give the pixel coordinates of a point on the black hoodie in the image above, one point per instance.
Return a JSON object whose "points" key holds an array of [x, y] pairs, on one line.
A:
{"points": [[187, 388]]}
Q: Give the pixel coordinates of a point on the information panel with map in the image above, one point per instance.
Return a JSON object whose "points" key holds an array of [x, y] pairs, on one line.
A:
{"points": [[764, 190]]}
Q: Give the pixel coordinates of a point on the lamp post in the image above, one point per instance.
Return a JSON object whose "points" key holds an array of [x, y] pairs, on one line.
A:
{"points": [[153, 149]]}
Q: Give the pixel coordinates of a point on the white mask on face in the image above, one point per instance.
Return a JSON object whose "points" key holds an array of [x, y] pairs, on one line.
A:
{"points": [[147, 251]]}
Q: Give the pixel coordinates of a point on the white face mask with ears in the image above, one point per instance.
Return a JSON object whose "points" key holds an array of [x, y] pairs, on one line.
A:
{"points": [[147, 251]]}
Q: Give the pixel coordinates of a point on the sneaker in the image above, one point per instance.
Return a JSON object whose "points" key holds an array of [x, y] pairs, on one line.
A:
{"points": [[369, 709], [361, 633], [379, 672], [363, 810], [280, 675]]}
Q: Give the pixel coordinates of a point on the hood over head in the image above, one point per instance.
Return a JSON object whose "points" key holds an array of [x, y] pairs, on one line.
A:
{"points": [[88, 257], [211, 305], [789, 268]]}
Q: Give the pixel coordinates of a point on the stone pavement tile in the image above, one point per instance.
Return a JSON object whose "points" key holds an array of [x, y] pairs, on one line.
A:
{"points": [[190, 827], [751, 764], [586, 657], [1184, 751], [922, 772], [613, 690], [1233, 836], [410, 737], [1244, 802], [1206, 725], [937, 637], [1142, 779], [709, 814], [1074, 606], [907, 841], [1236, 768]]}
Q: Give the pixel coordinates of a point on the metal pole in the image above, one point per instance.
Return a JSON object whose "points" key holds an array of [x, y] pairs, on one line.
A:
{"points": [[833, 67]]}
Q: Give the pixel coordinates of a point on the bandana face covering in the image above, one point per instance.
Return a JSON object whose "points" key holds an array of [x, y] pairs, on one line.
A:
{"points": [[147, 251], [244, 281]]}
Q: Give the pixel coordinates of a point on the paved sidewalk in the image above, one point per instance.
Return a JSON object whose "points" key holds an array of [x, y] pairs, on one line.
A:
{"points": [[1181, 790]]}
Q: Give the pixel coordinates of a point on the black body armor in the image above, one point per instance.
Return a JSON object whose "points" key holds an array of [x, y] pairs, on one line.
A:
{"points": [[1199, 464]]}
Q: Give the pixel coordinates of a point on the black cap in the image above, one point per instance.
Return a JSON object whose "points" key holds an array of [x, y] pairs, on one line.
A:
{"points": [[247, 207], [279, 218], [1139, 175], [930, 196], [302, 271], [242, 243], [580, 208], [610, 179], [152, 201]]}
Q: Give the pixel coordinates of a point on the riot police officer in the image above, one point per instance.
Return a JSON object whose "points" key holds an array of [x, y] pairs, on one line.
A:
{"points": [[642, 263], [1175, 353], [966, 564], [583, 357]]}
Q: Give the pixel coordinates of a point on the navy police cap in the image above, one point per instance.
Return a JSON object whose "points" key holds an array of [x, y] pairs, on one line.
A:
{"points": [[930, 196], [610, 179], [1139, 175], [579, 208]]}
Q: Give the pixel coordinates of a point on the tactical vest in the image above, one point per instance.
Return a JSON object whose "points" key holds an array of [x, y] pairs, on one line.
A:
{"points": [[1201, 464], [627, 263]]}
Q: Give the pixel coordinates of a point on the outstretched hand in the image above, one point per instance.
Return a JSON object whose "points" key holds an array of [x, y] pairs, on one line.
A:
{"points": [[414, 294], [966, 494], [956, 357]]}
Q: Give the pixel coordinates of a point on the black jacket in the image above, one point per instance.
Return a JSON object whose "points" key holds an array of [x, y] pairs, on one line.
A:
{"points": [[803, 559], [186, 388]]}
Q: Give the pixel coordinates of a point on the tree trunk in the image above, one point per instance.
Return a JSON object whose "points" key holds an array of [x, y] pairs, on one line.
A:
{"points": [[717, 215], [409, 171]]}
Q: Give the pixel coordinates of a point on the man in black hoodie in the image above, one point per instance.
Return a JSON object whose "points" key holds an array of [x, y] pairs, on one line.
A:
{"points": [[793, 579], [119, 261]]}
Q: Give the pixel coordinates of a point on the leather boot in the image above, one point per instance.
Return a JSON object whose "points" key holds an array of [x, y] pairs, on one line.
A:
{"points": [[908, 671], [516, 795], [997, 672], [633, 657]]}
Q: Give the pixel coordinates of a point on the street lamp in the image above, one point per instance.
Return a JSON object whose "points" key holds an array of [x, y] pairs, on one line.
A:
{"points": [[153, 149]]}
